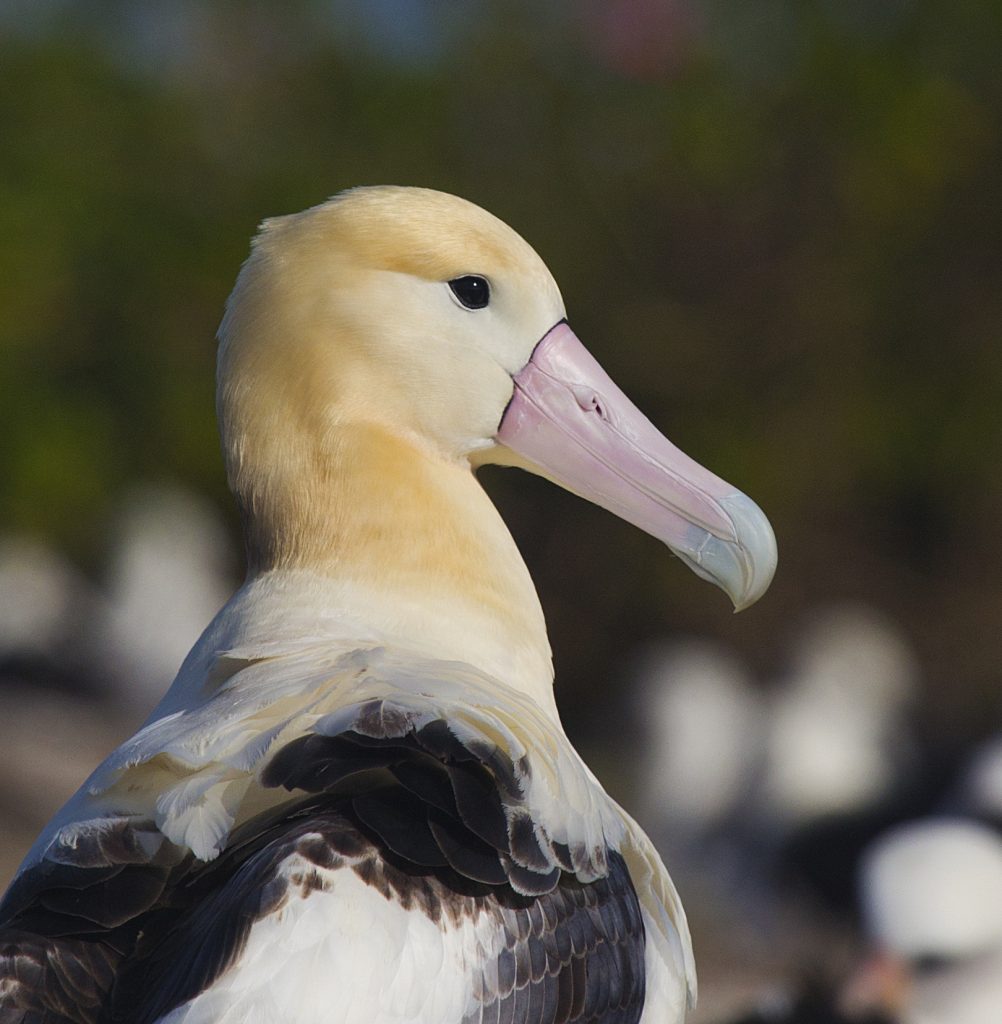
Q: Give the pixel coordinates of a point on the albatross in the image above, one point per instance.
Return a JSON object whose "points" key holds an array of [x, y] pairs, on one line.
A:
{"points": [[356, 802]]}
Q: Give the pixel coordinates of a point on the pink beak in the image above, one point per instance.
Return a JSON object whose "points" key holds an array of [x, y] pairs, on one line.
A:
{"points": [[578, 429]]}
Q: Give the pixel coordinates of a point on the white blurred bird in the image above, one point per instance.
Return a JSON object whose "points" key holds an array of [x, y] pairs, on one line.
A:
{"points": [[837, 740], [170, 569], [704, 725], [932, 897], [44, 600]]}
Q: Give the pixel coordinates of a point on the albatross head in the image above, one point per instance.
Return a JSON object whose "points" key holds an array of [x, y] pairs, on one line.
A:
{"points": [[422, 315]]}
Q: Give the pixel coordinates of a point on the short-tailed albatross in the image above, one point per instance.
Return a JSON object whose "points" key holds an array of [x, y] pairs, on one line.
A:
{"points": [[356, 803]]}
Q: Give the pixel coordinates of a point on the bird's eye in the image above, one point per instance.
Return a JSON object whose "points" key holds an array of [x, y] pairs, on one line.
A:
{"points": [[472, 291]]}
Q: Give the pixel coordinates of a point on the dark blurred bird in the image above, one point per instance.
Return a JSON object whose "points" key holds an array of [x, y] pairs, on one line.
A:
{"points": [[813, 1002]]}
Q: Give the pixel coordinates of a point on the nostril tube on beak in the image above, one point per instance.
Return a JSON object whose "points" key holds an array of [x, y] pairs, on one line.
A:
{"points": [[589, 400]]}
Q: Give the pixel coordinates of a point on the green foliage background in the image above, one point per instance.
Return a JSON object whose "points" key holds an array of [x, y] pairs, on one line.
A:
{"points": [[776, 223]]}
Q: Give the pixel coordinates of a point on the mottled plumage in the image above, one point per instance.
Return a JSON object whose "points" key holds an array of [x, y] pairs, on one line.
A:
{"points": [[414, 813]]}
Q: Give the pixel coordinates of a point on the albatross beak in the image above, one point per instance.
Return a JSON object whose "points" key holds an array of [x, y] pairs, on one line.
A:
{"points": [[575, 427]]}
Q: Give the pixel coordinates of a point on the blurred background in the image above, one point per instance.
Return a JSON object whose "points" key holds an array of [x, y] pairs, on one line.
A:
{"points": [[777, 225]]}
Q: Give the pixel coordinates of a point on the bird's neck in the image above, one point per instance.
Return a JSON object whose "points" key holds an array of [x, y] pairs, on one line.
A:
{"points": [[410, 545]]}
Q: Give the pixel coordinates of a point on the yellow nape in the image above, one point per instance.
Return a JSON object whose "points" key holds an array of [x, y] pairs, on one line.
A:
{"points": [[375, 505]]}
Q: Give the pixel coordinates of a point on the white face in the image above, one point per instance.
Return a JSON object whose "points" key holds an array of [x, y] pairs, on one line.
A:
{"points": [[440, 368]]}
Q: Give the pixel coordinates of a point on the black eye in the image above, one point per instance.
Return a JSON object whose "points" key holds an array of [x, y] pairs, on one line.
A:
{"points": [[472, 291]]}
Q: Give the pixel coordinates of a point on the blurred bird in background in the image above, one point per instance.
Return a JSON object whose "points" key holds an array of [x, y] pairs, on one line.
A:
{"points": [[932, 897], [798, 276]]}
